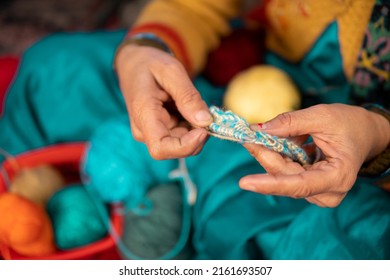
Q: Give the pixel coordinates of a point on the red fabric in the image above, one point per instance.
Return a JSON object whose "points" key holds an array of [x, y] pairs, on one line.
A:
{"points": [[8, 67]]}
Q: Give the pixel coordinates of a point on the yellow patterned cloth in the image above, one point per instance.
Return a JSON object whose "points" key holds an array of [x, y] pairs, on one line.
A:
{"points": [[192, 28], [297, 24]]}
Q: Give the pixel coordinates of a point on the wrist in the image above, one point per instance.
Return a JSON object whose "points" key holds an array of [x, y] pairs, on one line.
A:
{"points": [[122, 56], [382, 135], [378, 160], [141, 39]]}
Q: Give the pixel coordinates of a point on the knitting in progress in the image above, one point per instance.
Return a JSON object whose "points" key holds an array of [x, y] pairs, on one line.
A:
{"points": [[229, 126]]}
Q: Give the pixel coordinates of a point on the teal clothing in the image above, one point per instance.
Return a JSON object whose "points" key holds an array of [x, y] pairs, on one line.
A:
{"points": [[229, 223], [65, 87], [66, 90], [319, 75]]}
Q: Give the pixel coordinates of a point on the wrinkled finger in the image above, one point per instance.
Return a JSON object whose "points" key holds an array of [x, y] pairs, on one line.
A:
{"points": [[163, 145], [135, 101], [200, 147], [137, 122], [271, 161], [137, 134], [298, 140], [314, 201], [173, 147], [188, 100], [299, 122], [301, 185], [328, 200], [178, 131]]}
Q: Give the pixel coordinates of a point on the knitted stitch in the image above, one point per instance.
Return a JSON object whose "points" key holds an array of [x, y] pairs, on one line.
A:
{"points": [[227, 125]]}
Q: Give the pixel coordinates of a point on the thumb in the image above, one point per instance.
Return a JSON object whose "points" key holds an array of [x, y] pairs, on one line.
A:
{"points": [[191, 105], [187, 99], [290, 124]]}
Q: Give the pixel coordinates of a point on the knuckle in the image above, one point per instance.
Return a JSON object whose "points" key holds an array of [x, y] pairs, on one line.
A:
{"points": [[273, 170], [324, 111], [155, 151], [189, 96], [171, 65], [330, 200], [137, 135], [136, 132], [286, 118], [252, 151], [332, 203], [301, 192], [348, 181], [345, 177], [135, 114]]}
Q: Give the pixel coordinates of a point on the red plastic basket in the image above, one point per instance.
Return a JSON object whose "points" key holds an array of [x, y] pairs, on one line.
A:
{"points": [[65, 157]]}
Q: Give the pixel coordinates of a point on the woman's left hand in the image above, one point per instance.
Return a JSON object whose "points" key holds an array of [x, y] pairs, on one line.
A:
{"points": [[346, 135]]}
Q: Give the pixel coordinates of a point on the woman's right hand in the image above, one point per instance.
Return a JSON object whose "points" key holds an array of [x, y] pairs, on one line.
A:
{"points": [[162, 102]]}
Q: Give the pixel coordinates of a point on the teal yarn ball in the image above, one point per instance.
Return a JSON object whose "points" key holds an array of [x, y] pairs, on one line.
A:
{"points": [[113, 164], [153, 229], [75, 218]]}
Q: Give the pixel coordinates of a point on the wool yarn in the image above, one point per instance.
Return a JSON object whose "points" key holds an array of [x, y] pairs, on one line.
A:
{"points": [[118, 169], [260, 93], [156, 228], [111, 165], [38, 183], [243, 48], [76, 220], [25, 226], [227, 125]]}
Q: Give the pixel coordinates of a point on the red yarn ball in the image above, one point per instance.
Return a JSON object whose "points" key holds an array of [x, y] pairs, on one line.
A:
{"points": [[242, 49]]}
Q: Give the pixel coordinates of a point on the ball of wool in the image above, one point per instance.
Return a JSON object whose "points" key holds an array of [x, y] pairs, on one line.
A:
{"points": [[24, 226], [242, 49], [154, 227], [75, 217], [114, 169], [38, 183], [260, 93]]}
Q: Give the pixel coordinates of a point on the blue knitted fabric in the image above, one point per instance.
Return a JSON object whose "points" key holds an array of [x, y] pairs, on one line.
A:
{"points": [[229, 126]]}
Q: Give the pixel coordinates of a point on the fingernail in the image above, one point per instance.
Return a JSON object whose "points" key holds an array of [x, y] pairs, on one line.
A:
{"points": [[257, 127], [203, 116]]}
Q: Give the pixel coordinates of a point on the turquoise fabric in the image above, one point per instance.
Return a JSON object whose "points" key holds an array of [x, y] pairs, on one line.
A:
{"points": [[229, 223], [319, 75], [66, 89]]}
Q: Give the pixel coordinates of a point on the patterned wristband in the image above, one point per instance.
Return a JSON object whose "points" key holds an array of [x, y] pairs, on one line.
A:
{"points": [[143, 39], [380, 165]]}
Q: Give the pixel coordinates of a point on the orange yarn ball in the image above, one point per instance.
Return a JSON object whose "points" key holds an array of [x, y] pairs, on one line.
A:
{"points": [[24, 226]]}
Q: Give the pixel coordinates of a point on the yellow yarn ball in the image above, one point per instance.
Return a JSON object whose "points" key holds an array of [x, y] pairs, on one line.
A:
{"points": [[261, 93], [38, 183]]}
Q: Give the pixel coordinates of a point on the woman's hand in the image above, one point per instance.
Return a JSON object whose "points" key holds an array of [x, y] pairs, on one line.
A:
{"points": [[162, 102], [346, 135]]}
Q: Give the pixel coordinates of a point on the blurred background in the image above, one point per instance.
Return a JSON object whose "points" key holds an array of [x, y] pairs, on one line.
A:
{"points": [[23, 22]]}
